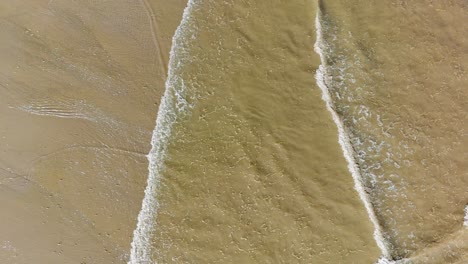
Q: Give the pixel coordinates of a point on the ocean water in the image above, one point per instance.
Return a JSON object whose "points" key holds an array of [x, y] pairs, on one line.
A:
{"points": [[310, 132], [398, 71]]}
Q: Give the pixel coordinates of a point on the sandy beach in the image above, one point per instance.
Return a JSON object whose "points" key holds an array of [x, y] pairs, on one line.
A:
{"points": [[207, 131], [80, 88]]}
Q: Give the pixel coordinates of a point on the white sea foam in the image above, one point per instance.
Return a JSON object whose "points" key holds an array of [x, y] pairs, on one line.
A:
{"points": [[384, 260], [173, 106], [465, 220], [323, 81]]}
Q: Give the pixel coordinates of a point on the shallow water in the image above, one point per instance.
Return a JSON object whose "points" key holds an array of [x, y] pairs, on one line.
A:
{"points": [[252, 170], [399, 71]]}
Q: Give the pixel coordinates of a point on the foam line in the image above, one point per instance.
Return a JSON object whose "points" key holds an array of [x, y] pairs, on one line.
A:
{"points": [[323, 81], [173, 105]]}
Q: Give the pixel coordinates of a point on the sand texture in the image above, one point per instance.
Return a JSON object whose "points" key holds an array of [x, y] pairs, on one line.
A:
{"points": [[80, 84]]}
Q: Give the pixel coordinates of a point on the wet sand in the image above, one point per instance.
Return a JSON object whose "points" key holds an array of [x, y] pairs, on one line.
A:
{"points": [[80, 87]]}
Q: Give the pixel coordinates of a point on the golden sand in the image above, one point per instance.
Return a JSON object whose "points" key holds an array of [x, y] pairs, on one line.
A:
{"points": [[80, 86]]}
